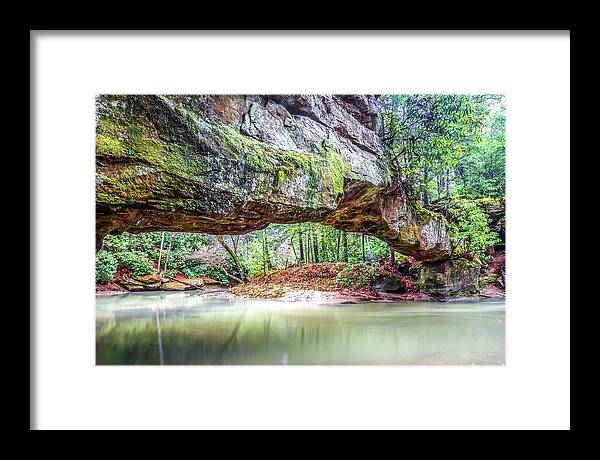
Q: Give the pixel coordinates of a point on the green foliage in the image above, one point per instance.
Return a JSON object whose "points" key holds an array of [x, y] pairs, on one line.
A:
{"points": [[480, 171], [427, 133], [195, 270], [136, 261], [281, 245], [443, 145], [218, 274], [356, 274], [106, 266], [181, 245], [469, 229], [127, 242], [254, 256], [379, 249], [137, 251]]}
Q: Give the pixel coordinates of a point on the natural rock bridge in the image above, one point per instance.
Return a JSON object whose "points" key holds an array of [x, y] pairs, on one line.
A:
{"points": [[233, 164]]}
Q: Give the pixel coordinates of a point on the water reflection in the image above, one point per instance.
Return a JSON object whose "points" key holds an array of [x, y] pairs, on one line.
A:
{"points": [[160, 347], [191, 328]]}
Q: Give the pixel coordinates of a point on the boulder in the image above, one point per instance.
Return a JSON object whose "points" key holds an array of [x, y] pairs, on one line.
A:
{"points": [[390, 284], [448, 279], [176, 286], [138, 286]]}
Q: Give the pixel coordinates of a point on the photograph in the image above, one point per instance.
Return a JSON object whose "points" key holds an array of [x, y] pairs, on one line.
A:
{"points": [[300, 229], [273, 229]]}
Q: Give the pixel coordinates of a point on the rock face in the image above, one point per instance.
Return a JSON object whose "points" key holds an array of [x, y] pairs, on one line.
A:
{"points": [[233, 164], [461, 277], [451, 278]]}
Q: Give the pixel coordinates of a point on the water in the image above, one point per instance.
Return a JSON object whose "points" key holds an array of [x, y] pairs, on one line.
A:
{"points": [[195, 328]]}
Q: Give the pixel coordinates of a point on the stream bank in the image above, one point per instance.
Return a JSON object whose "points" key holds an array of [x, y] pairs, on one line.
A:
{"points": [[339, 282], [455, 280]]}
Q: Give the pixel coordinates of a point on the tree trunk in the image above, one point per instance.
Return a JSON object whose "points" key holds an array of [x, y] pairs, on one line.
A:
{"points": [[345, 241], [234, 256], [162, 240], [229, 275], [363, 247], [294, 249], [266, 259], [269, 264], [425, 192], [264, 255], [461, 173], [169, 251], [309, 246], [301, 247]]}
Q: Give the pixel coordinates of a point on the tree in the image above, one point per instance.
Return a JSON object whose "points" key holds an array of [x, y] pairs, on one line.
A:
{"points": [[427, 136], [168, 252], [234, 256], [480, 170], [162, 240], [301, 244]]}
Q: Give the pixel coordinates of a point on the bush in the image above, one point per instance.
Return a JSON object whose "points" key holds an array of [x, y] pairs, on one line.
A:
{"points": [[128, 242], [469, 230], [356, 274], [136, 261], [106, 266], [153, 255], [194, 270]]}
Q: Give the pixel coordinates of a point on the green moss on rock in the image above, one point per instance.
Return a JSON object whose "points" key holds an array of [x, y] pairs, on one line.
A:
{"points": [[324, 171], [110, 147], [280, 178]]}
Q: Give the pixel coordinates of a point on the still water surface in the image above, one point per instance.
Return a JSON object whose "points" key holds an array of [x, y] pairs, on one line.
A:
{"points": [[195, 328]]}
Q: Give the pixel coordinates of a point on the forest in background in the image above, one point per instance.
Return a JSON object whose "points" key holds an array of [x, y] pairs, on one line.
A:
{"points": [[446, 150]]}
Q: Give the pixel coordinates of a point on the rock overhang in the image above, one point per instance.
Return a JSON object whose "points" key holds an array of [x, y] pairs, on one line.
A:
{"points": [[233, 164]]}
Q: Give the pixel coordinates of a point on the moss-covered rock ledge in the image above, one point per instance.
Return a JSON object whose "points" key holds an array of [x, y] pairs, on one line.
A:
{"points": [[232, 164]]}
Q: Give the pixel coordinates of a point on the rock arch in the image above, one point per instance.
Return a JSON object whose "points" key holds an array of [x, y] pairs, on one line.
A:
{"points": [[233, 164]]}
